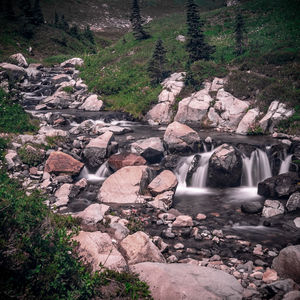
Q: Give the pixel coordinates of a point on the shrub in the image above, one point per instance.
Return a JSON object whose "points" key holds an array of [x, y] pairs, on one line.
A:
{"points": [[30, 155], [3, 145]]}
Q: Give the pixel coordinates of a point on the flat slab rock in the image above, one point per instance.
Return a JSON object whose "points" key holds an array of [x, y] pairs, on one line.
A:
{"points": [[183, 281]]}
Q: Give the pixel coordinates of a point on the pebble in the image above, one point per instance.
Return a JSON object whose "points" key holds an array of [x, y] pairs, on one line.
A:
{"points": [[178, 246], [270, 275], [258, 250], [200, 217]]}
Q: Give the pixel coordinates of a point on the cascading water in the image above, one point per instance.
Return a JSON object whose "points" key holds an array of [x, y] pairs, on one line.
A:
{"points": [[256, 168], [102, 173], [285, 164]]}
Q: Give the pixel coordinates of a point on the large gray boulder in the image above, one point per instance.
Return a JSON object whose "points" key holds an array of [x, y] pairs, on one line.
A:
{"points": [[20, 59], [287, 263], [72, 63], [152, 149], [139, 248], [280, 186], [184, 281], [165, 181], [97, 248], [225, 167], [13, 72], [248, 121], [98, 149], [92, 103], [181, 138], [294, 202], [127, 185]]}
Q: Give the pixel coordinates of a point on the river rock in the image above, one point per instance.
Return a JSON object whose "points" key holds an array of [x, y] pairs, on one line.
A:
{"points": [[280, 186], [183, 221], [139, 248], [60, 100], [272, 208], [125, 186], [161, 113], [59, 162], [97, 248], [152, 149], [62, 195], [116, 130], [14, 72], [98, 149], [20, 59], [252, 207], [287, 263], [194, 108], [165, 181], [49, 131], [297, 222], [118, 161], [247, 121], [12, 159], [57, 79], [163, 201], [72, 63], [231, 109], [277, 111], [92, 103], [225, 167], [181, 138], [93, 214], [294, 202], [185, 281]]}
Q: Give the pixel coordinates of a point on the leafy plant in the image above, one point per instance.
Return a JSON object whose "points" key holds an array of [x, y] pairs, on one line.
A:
{"points": [[30, 155], [255, 130], [68, 89]]}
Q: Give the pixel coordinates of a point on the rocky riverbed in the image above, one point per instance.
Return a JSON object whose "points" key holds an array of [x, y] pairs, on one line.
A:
{"points": [[194, 212]]}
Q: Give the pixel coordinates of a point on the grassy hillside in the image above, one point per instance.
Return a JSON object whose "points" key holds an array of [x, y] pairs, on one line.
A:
{"points": [[119, 74]]}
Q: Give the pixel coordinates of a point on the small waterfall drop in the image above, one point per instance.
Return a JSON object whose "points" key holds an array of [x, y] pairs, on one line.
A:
{"points": [[200, 176], [285, 164], [182, 170], [256, 168], [101, 174]]}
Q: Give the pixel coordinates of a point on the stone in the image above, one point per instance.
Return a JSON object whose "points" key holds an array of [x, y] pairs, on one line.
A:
{"points": [[293, 202], [139, 248], [253, 207], [57, 79], [117, 130], [97, 248], [161, 113], [14, 72], [118, 161], [121, 231], [181, 38], [12, 159], [269, 276], [187, 281], [231, 109], [277, 288], [49, 131], [59, 162], [181, 138], [247, 121], [125, 186], [225, 167], [152, 149], [72, 63], [217, 84], [93, 214], [200, 217], [92, 103], [62, 195], [277, 112], [293, 295], [297, 222], [194, 108], [20, 59], [98, 149], [280, 186], [183, 221], [287, 263], [272, 208], [163, 201], [165, 181]]}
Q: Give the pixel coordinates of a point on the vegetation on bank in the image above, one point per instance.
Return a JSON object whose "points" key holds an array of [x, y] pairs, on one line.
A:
{"points": [[271, 44]]}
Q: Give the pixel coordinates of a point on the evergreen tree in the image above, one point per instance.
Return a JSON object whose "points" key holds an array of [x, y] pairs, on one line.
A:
{"points": [[63, 24], [136, 22], [8, 10], [239, 33], [25, 7], [88, 34], [56, 20], [74, 32], [37, 13], [196, 45], [157, 64]]}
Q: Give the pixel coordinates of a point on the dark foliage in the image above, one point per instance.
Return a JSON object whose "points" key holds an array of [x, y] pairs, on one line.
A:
{"points": [[157, 64], [37, 14], [8, 10], [74, 32], [136, 22], [196, 45], [239, 33], [89, 35]]}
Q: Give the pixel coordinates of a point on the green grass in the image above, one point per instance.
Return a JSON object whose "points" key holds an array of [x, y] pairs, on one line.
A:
{"points": [[272, 44], [13, 119]]}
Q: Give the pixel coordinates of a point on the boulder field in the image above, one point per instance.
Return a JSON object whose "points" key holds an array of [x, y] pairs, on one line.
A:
{"points": [[121, 180]]}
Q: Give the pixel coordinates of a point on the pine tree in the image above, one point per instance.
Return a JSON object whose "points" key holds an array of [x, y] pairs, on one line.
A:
{"points": [[88, 34], [239, 33], [136, 22], [74, 32], [38, 17], [157, 64], [25, 7], [56, 20], [63, 24], [196, 45]]}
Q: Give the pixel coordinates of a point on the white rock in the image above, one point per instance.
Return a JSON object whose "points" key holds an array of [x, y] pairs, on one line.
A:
{"points": [[62, 195], [93, 214], [21, 60], [272, 208], [180, 38], [72, 63], [247, 121], [92, 104]]}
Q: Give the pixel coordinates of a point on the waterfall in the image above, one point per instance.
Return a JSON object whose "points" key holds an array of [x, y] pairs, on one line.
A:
{"points": [[200, 176], [256, 168], [182, 170], [102, 173], [285, 164]]}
